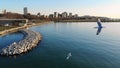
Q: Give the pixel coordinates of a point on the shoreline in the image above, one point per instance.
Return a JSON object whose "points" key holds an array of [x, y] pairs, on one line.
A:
{"points": [[12, 30], [30, 40], [81, 21]]}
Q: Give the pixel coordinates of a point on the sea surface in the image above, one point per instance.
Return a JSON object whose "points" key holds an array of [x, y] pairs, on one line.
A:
{"points": [[68, 45]]}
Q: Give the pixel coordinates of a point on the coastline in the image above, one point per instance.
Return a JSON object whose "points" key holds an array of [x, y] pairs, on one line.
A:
{"points": [[81, 21], [32, 38], [4, 32], [12, 30]]}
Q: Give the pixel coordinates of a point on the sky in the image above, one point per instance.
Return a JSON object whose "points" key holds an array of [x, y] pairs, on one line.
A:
{"points": [[107, 8]]}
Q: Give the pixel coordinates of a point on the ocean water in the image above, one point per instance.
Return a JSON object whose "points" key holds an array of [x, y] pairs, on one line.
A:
{"points": [[68, 45]]}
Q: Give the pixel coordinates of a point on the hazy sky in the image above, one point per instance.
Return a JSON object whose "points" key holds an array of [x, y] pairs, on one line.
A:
{"points": [[108, 8]]}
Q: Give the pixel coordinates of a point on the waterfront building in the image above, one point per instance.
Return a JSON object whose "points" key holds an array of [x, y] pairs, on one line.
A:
{"points": [[4, 11], [70, 15], [76, 15], [55, 14], [13, 22], [59, 15], [25, 10], [64, 15], [51, 16]]}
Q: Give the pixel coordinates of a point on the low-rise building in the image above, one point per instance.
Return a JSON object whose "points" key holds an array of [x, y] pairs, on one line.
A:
{"points": [[13, 22]]}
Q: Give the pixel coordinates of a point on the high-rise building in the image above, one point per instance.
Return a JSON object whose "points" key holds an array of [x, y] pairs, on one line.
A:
{"points": [[51, 16], [59, 15], [64, 15], [55, 14], [25, 10], [4, 11], [70, 15]]}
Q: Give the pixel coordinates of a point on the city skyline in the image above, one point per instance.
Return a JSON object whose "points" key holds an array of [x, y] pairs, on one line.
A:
{"points": [[107, 8]]}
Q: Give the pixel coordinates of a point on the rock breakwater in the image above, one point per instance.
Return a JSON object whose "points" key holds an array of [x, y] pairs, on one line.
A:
{"points": [[30, 41]]}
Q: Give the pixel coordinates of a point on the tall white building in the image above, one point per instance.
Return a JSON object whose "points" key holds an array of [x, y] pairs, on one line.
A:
{"points": [[25, 11]]}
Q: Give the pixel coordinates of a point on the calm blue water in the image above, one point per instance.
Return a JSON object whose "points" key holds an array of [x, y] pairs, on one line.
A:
{"points": [[10, 38], [88, 50]]}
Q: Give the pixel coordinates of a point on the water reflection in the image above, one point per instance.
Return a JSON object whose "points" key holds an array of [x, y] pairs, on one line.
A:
{"points": [[99, 30]]}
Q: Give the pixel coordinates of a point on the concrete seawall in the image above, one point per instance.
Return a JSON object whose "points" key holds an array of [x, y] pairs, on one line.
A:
{"points": [[30, 41]]}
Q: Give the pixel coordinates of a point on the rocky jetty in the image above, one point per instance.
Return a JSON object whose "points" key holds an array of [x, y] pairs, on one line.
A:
{"points": [[30, 41]]}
